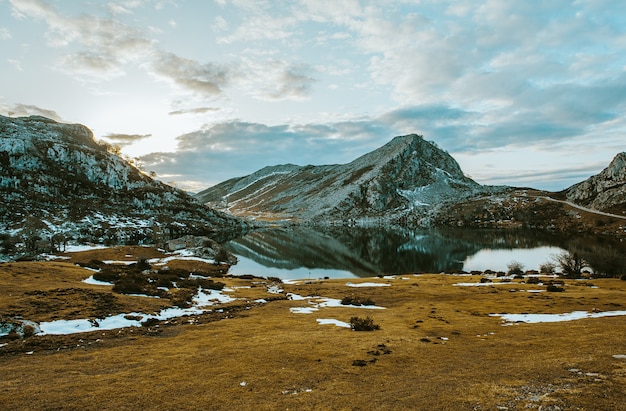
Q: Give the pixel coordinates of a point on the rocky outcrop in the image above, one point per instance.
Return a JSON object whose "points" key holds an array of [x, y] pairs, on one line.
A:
{"points": [[605, 191], [54, 178], [407, 176]]}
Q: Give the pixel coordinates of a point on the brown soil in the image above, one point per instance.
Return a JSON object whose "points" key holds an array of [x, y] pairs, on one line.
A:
{"points": [[437, 347]]}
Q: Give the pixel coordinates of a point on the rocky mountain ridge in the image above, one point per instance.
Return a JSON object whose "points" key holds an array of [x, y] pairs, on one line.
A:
{"points": [[408, 177], [605, 191], [56, 180]]}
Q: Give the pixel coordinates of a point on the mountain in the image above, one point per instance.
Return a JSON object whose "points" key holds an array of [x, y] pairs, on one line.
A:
{"points": [[605, 191], [55, 179], [407, 177]]}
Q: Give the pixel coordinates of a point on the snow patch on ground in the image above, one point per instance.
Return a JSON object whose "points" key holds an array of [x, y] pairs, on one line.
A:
{"points": [[203, 298], [92, 281], [350, 284], [322, 302], [332, 321], [509, 319]]}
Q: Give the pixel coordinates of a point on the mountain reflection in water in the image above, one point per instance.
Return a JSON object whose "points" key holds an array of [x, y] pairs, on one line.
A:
{"points": [[339, 252]]}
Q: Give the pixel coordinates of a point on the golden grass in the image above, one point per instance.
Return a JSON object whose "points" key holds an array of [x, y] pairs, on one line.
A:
{"points": [[264, 357]]}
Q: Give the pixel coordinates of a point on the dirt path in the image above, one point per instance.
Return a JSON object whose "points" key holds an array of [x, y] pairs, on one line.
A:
{"points": [[589, 210]]}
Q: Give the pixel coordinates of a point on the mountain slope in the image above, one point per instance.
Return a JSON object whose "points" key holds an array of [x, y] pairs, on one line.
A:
{"points": [[605, 191], [408, 175], [54, 178]]}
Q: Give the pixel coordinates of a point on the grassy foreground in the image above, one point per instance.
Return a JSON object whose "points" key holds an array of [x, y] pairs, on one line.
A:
{"points": [[438, 347]]}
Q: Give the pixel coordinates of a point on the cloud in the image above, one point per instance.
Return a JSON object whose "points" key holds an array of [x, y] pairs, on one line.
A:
{"points": [[280, 80], [204, 79], [224, 150], [24, 110], [124, 140], [199, 110], [108, 44], [5, 34]]}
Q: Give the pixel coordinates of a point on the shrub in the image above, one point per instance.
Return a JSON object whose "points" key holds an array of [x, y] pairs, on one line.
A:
{"points": [[555, 289], [106, 275], [363, 324], [547, 268], [352, 300], [515, 267], [28, 331]]}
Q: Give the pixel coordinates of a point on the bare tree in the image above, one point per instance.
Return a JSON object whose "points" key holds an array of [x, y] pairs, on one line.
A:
{"points": [[572, 264]]}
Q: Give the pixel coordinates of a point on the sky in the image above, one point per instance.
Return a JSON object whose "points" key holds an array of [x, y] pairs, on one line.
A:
{"points": [[523, 93]]}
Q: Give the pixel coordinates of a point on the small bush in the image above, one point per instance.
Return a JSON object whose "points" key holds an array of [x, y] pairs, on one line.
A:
{"points": [[363, 324], [515, 267], [28, 331], [108, 276], [547, 268], [555, 289], [352, 300]]}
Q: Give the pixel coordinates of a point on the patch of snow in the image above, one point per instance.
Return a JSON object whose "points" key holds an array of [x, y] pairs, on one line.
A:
{"points": [[120, 262], [349, 284], [83, 247], [202, 299], [552, 318], [163, 261], [91, 280], [619, 356], [480, 284], [303, 310], [274, 289], [210, 297], [323, 302], [332, 321], [49, 257]]}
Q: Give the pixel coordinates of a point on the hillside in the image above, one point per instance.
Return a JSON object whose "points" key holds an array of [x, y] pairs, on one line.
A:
{"points": [[55, 179], [407, 176], [605, 191]]}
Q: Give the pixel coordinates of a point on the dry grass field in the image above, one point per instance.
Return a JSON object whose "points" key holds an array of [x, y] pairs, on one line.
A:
{"points": [[438, 347]]}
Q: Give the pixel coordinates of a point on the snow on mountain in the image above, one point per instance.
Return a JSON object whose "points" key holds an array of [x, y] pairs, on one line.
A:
{"points": [[406, 177], [55, 179]]}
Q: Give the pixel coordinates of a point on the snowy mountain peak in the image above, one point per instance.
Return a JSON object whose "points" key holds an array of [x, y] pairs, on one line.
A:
{"points": [[387, 183]]}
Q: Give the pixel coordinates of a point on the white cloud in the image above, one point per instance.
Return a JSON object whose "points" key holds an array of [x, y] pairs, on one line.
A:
{"points": [[24, 110], [5, 34], [204, 79], [108, 44]]}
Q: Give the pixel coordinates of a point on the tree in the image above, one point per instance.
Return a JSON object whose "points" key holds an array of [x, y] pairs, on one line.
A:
{"points": [[572, 264]]}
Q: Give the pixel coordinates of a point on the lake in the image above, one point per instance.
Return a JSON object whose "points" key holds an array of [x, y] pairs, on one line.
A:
{"points": [[344, 252]]}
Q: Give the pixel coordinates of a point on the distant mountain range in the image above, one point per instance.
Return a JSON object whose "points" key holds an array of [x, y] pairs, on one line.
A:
{"points": [[55, 179], [408, 176]]}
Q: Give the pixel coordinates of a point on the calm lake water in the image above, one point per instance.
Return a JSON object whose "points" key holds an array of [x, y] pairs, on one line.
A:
{"points": [[342, 252]]}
